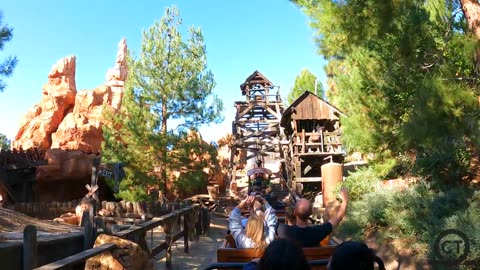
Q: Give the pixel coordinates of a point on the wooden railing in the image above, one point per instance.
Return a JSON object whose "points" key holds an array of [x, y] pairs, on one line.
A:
{"points": [[176, 225]]}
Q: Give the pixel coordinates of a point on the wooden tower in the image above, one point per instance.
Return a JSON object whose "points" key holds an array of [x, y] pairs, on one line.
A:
{"points": [[256, 128]]}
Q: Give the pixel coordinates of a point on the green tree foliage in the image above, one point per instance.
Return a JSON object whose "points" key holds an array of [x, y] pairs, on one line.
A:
{"points": [[404, 75], [169, 80], [305, 81], [4, 142], [7, 66]]}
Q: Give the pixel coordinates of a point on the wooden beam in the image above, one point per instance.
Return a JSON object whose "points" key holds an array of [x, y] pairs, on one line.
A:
{"points": [[240, 115], [77, 258], [308, 179]]}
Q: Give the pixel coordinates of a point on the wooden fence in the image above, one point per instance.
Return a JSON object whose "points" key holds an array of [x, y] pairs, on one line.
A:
{"points": [[51, 210], [182, 223]]}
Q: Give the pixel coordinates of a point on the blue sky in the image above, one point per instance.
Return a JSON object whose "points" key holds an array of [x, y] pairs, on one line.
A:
{"points": [[271, 36]]}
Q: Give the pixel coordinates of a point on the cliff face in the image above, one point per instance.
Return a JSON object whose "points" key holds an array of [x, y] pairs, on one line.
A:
{"points": [[58, 97], [68, 124], [67, 119]]}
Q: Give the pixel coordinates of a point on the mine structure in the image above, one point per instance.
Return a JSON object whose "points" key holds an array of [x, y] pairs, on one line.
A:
{"points": [[313, 131], [256, 128], [17, 173]]}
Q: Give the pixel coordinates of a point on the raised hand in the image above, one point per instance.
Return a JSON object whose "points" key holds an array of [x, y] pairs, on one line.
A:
{"points": [[246, 202], [344, 194]]}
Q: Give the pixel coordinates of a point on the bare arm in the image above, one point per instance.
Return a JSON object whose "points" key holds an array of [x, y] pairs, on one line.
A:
{"points": [[342, 210], [271, 220], [235, 224]]}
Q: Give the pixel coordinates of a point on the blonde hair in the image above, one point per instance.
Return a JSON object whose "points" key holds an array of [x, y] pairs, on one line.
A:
{"points": [[255, 231]]}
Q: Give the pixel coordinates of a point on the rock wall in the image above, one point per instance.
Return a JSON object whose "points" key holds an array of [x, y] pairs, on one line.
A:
{"points": [[71, 120], [58, 97]]}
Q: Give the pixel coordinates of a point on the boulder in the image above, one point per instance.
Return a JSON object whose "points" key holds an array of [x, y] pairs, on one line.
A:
{"points": [[64, 164], [127, 255]]}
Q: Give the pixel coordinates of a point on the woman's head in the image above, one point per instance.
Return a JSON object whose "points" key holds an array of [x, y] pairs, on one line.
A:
{"points": [[255, 231], [283, 254]]}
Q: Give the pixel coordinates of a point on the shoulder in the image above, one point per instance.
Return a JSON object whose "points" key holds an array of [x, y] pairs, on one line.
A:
{"points": [[327, 226]]}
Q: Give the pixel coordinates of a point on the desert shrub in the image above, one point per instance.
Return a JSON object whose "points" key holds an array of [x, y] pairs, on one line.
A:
{"points": [[360, 182], [444, 164], [411, 219]]}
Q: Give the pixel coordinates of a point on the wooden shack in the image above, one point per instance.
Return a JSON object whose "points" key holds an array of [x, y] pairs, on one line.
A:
{"points": [[313, 131]]}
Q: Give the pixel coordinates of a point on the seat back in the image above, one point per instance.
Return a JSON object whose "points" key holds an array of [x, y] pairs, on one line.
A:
{"points": [[237, 254], [247, 254]]}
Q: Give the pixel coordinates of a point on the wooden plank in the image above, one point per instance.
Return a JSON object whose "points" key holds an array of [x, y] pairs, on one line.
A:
{"points": [[303, 140], [155, 222], [320, 154], [163, 246], [77, 258], [116, 219], [185, 233], [178, 236], [29, 247], [308, 179]]}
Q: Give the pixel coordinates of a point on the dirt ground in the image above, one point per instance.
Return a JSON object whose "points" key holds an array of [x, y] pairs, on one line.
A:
{"points": [[201, 253]]}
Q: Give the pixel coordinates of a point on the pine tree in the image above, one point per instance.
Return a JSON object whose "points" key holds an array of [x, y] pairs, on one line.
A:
{"points": [[168, 81], [404, 74], [7, 66], [4, 142], [305, 81]]}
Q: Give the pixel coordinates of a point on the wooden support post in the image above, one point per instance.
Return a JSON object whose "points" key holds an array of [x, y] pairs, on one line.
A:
{"points": [[168, 240], [303, 141], [29, 247], [88, 236], [321, 140], [186, 216]]}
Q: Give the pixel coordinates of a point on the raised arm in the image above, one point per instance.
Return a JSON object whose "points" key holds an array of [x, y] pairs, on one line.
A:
{"points": [[342, 210], [270, 220], [235, 223]]}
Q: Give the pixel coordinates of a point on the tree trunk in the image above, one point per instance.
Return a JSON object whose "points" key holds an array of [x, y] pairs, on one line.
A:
{"points": [[164, 151], [471, 10]]}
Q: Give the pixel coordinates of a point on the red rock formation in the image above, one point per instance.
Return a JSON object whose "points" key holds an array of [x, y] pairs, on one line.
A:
{"points": [[57, 99], [65, 177], [81, 129], [69, 120]]}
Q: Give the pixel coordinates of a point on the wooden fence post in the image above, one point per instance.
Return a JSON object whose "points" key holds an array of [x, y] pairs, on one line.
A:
{"points": [[88, 236], [168, 239], [186, 216], [29, 247]]}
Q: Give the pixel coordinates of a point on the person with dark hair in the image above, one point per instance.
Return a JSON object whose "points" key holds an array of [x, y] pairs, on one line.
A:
{"points": [[283, 230], [311, 236], [281, 254], [354, 255]]}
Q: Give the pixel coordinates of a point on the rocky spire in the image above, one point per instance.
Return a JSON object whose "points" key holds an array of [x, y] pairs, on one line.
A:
{"points": [[116, 76]]}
